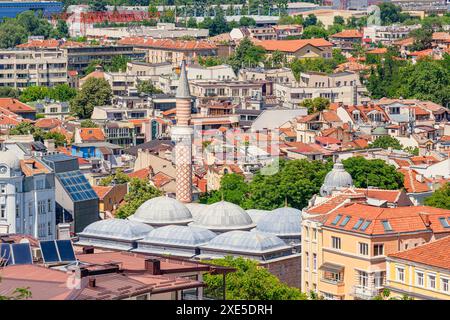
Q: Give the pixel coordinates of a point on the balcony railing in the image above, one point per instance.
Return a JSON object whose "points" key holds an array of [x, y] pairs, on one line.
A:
{"points": [[365, 293]]}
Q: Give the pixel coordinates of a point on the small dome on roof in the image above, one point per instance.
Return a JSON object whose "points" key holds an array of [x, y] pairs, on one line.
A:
{"points": [[336, 178], [117, 228], [179, 235], [246, 241], [10, 159], [224, 216], [257, 214], [162, 211], [281, 222]]}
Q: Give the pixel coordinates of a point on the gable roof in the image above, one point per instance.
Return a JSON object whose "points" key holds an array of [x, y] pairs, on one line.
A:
{"points": [[15, 106], [292, 45], [91, 134], [348, 34]]}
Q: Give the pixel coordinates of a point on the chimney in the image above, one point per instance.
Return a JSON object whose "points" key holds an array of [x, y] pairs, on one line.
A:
{"points": [[88, 250], [92, 282], [81, 273], [153, 266]]}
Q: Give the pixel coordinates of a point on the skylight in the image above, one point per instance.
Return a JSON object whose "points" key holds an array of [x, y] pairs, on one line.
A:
{"points": [[358, 224], [336, 220], [345, 221], [444, 222], [365, 225], [386, 225]]}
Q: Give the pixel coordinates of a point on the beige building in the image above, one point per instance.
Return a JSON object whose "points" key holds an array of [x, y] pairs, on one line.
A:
{"points": [[298, 49], [24, 68]]}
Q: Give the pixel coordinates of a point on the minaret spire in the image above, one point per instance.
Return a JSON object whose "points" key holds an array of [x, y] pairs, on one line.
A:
{"points": [[182, 134]]}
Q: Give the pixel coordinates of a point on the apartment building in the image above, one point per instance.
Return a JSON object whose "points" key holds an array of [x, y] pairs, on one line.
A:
{"points": [[387, 35], [346, 39], [344, 251], [24, 68], [421, 273], [298, 49], [170, 50], [281, 75], [27, 197], [343, 87]]}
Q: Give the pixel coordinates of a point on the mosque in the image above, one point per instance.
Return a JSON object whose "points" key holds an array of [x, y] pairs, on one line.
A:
{"points": [[180, 228]]}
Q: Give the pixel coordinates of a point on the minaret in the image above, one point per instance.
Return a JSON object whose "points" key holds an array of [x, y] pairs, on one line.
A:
{"points": [[182, 134]]}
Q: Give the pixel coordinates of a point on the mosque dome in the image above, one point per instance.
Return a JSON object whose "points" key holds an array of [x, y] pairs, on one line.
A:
{"points": [[246, 241], [161, 211], [196, 209], [117, 229], [283, 222], [257, 214], [336, 178], [224, 216], [179, 235], [9, 158]]}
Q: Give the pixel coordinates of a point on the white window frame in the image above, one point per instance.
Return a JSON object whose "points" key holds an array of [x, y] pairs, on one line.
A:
{"points": [[417, 278], [429, 276], [380, 245], [444, 279], [363, 246], [335, 241], [314, 257], [398, 273], [307, 260]]}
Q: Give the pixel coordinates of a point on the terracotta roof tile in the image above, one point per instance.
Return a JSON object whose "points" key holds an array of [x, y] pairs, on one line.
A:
{"points": [[348, 34], [92, 134], [102, 191], [292, 45], [15, 105]]}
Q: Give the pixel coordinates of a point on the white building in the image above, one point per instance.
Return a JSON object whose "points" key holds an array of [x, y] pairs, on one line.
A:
{"points": [[220, 72], [27, 197]]}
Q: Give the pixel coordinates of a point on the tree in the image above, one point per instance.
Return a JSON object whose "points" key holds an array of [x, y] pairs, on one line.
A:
{"points": [[62, 92], [61, 31], [9, 92], [390, 13], [374, 173], [12, 34], [422, 38], [311, 20], [247, 22], [153, 11], [233, 189], [315, 105], [26, 128], [339, 20], [192, 23], [88, 123], [386, 142], [412, 150], [139, 192], [167, 16], [385, 294], [313, 31], [18, 294], [118, 178], [248, 282], [440, 198], [98, 5], [94, 92], [147, 87], [34, 93], [246, 53], [118, 64], [22, 128]]}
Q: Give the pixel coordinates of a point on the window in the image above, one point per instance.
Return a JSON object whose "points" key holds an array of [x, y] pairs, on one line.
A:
{"points": [[358, 224], [365, 225], [444, 285], [400, 274], [345, 221], [49, 205], [3, 211], [378, 250], [336, 220], [306, 233], [419, 279], [314, 234], [444, 222], [336, 242], [363, 279], [49, 227], [314, 262], [2, 188], [41, 207], [363, 249], [386, 225], [306, 260], [17, 211], [432, 281], [30, 209]]}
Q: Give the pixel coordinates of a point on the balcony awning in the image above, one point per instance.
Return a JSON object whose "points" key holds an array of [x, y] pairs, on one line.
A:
{"points": [[331, 267]]}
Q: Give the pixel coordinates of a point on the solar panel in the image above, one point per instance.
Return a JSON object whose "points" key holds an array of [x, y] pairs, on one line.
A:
{"points": [[358, 224], [345, 221], [365, 225], [77, 186], [5, 254], [49, 251], [65, 250], [22, 253], [336, 220]]}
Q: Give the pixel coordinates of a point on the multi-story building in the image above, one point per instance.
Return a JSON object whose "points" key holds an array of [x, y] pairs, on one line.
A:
{"points": [[346, 39], [281, 75], [25, 68], [27, 197], [344, 87], [387, 35], [298, 49], [421, 273], [169, 50]]}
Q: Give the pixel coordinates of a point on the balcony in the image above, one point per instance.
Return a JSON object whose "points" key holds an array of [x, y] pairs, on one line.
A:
{"points": [[365, 293]]}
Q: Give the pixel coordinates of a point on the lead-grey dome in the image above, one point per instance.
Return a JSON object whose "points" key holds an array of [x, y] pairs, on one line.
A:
{"points": [[246, 241], [336, 178], [224, 216], [117, 229], [10, 159], [161, 211], [196, 209], [179, 235], [257, 214], [282, 222]]}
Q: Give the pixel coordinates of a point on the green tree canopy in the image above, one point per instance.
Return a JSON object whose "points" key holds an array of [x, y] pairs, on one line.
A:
{"points": [[94, 92], [9, 92], [88, 123], [386, 142], [147, 87], [233, 189], [316, 104], [119, 177], [247, 54], [249, 282], [373, 173], [440, 198]]}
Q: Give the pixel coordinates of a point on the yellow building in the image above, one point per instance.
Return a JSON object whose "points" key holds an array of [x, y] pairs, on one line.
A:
{"points": [[422, 273], [344, 251]]}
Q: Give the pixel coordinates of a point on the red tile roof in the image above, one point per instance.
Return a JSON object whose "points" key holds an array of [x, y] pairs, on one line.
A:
{"points": [[411, 184], [47, 123], [348, 34], [15, 105], [377, 51], [327, 140], [434, 254], [142, 174], [92, 134], [160, 179], [102, 191], [292, 45], [168, 44]]}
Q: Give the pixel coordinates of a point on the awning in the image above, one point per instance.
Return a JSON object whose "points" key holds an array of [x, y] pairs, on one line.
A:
{"points": [[332, 267]]}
